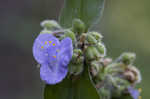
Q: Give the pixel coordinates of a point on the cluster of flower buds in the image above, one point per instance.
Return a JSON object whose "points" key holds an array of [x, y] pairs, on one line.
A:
{"points": [[116, 79], [112, 79]]}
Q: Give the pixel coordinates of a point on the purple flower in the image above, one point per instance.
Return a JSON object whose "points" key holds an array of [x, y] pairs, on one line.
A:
{"points": [[133, 92], [54, 57]]}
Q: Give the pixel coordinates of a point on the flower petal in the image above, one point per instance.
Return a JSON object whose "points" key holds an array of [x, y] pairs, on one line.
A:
{"points": [[52, 76], [133, 92], [66, 51], [54, 56], [41, 46]]}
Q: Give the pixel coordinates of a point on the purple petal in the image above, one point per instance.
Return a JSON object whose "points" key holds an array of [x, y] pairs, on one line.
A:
{"points": [[133, 92], [52, 76], [57, 69], [54, 56], [66, 52], [41, 47]]}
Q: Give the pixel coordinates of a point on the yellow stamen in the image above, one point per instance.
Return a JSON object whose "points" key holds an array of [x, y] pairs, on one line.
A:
{"points": [[50, 41], [45, 42], [53, 44], [140, 97], [42, 47], [54, 56], [140, 90]]}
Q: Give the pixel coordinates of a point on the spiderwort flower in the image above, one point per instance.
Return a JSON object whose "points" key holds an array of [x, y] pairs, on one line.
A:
{"points": [[54, 57], [133, 92]]}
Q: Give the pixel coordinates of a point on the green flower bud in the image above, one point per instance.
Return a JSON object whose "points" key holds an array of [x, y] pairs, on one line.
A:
{"points": [[75, 69], [91, 39], [101, 49], [76, 64], [50, 25], [96, 53], [74, 57], [114, 68], [97, 35], [81, 40], [119, 85], [127, 58], [89, 54], [104, 93], [79, 59], [78, 26], [95, 67], [78, 51], [70, 34], [92, 53]]}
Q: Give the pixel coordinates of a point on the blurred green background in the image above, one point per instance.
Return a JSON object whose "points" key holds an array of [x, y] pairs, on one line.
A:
{"points": [[125, 26]]}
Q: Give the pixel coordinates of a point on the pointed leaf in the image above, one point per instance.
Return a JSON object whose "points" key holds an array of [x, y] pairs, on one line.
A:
{"points": [[89, 11]]}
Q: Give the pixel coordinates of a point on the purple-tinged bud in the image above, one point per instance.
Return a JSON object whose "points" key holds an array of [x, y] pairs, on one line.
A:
{"points": [[132, 74], [106, 61], [95, 66]]}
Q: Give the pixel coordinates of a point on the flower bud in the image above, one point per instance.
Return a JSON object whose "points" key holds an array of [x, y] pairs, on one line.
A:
{"points": [[97, 35], [78, 26], [101, 49], [78, 51], [104, 93], [132, 74], [106, 61], [50, 25], [77, 56], [91, 39], [75, 69], [70, 34], [82, 39], [95, 68], [76, 64], [92, 53], [127, 58]]}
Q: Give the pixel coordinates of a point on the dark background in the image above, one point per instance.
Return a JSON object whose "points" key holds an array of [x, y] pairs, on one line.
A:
{"points": [[125, 26]]}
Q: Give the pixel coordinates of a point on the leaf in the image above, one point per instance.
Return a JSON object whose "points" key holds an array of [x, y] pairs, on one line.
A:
{"points": [[81, 88], [89, 11], [59, 91]]}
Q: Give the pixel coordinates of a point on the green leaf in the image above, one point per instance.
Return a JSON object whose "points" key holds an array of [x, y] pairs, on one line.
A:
{"points": [[59, 91], [81, 88], [89, 11]]}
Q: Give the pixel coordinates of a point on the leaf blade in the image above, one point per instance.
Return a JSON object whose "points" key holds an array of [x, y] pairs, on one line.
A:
{"points": [[89, 11]]}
